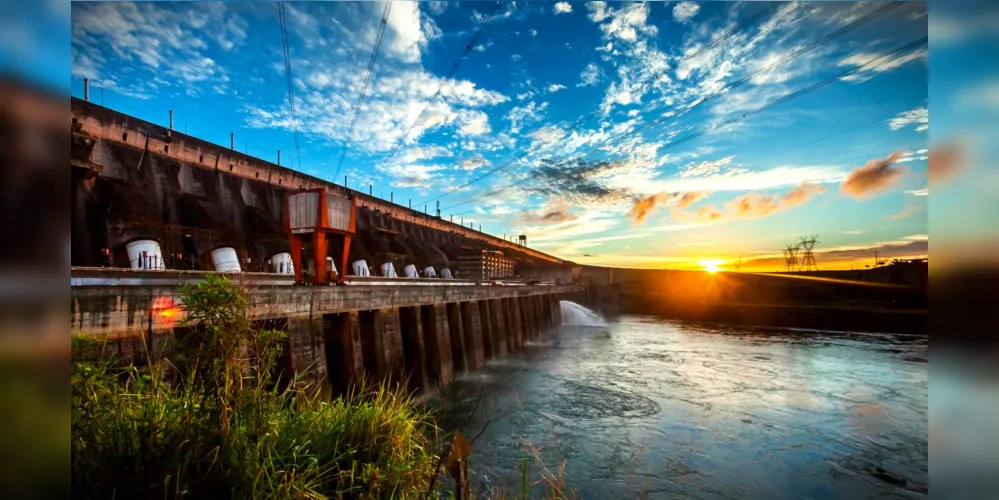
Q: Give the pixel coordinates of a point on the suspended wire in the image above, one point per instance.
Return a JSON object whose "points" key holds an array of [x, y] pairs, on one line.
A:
{"points": [[364, 87], [711, 44], [742, 116], [457, 63], [581, 120], [617, 139], [287, 72], [828, 136], [749, 77]]}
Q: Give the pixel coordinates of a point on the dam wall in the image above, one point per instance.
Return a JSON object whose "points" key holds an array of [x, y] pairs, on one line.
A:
{"points": [[137, 180], [420, 333]]}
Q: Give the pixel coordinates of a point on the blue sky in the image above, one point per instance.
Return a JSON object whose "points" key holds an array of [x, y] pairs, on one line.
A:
{"points": [[666, 172]]}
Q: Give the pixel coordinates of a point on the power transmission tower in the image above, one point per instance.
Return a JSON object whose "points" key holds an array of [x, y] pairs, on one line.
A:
{"points": [[808, 260], [791, 256]]}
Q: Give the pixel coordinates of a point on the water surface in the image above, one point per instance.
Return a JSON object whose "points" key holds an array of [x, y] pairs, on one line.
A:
{"points": [[682, 410]]}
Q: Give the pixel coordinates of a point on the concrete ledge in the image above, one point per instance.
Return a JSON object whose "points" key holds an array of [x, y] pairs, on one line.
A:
{"points": [[120, 311]]}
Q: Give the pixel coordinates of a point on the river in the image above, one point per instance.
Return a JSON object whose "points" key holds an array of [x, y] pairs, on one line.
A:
{"points": [[643, 406]]}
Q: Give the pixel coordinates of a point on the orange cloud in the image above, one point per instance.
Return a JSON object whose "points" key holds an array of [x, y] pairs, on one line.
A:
{"points": [[644, 206], [688, 199], [558, 211], [753, 205], [756, 205], [876, 175], [945, 160], [906, 213]]}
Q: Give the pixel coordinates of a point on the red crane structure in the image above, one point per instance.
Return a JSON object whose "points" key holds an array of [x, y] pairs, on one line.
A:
{"points": [[312, 217]]}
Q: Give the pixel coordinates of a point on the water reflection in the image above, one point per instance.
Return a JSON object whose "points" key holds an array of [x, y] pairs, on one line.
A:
{"points": [[694, 411]]}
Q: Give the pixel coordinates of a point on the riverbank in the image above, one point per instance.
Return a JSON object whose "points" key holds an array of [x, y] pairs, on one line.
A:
{"points": [[861, 317]]}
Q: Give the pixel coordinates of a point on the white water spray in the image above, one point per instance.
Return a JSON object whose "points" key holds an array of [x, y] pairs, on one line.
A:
{"points": [[574, 314]]}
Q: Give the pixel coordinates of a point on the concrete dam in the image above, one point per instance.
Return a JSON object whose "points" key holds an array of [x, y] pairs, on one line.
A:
{"points": [[418, 298]]}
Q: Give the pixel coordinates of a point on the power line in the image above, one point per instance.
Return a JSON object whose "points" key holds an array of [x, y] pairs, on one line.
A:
{"points": [[287, 72], [585, 118], [749, 77], [747, 114], [364, 86], [457, 63], [614, 140], [711, 44]]}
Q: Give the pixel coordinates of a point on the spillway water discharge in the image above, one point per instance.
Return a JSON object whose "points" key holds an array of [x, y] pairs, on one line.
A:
{"points": [[676, 409], [574, 314]]}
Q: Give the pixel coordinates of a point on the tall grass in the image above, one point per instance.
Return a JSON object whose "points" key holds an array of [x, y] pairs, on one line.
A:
{"points": [[212, 421]]}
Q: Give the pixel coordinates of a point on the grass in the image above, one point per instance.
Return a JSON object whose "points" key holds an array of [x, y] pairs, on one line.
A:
{"points": [[212, 421]]}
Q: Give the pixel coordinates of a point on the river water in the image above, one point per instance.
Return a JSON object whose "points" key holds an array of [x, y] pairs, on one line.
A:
{"points": [[669, 409]]}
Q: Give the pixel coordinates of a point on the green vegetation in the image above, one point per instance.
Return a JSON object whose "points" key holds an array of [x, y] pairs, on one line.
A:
{"points": [[215, 420]]}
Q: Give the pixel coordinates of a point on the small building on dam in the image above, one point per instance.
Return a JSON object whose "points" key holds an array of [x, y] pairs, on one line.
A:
{"points": [[364, 286]]}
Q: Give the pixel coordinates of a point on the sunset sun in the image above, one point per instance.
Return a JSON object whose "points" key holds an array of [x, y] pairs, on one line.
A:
{"points": [[711, 265]]}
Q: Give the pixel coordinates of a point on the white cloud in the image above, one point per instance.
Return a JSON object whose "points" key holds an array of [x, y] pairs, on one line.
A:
{"points": [[982, 95], [407, 31], [395, 100], [738, 180], [533, 32], [475, 124], [563, 8], [948, 28], [918, 192], [920, 117], [411, 175], [624, 23], [555, 87], [684, 11], [705, 168], [590, 75], [151, 40], [473, 162], [522, 115], [437, 7], [884, 63]]}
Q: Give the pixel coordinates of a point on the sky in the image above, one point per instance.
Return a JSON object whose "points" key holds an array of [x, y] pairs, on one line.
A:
{"points": [[657, 135]]}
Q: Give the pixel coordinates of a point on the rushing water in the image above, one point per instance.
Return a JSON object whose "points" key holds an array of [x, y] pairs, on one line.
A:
{"points": [[681, 410]]}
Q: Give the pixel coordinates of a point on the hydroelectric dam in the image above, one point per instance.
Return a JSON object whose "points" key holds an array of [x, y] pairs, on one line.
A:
{"points": [[364, 287]]}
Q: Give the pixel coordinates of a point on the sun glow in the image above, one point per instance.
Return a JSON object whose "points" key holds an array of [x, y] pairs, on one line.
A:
{"points": [[711, 265]]}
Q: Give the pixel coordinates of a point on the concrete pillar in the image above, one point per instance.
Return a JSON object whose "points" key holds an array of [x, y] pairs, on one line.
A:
{"points": [[381, 345], [509, 335], [543, 314], [414, 348], [470, 321], [526, 319], [485, 320], [498, 330], [455, 327], [550, 304], [344, 351], [440, 368], [305, 349], [516, 327], [532, 314]]}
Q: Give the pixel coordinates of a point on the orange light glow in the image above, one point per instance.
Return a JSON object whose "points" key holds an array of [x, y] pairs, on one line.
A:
{"points": [[170, 313], [711, 265]]}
